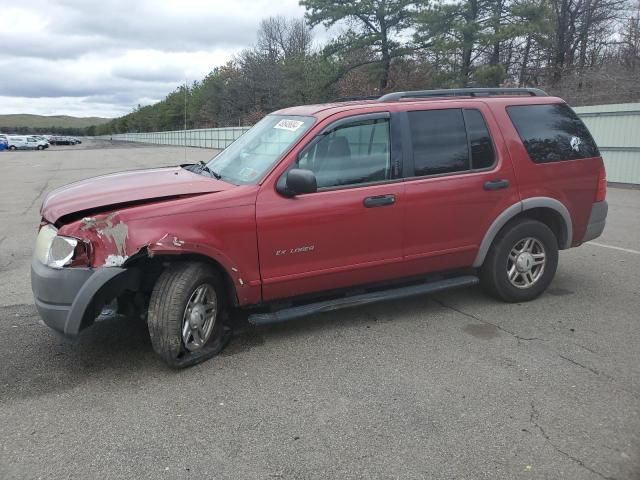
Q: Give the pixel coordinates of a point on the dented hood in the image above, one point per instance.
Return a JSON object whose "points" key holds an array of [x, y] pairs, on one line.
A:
{"points": [[127, 187]]}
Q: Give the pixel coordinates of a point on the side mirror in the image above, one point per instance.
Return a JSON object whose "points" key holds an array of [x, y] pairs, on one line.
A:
{"points": [[297, 182]]}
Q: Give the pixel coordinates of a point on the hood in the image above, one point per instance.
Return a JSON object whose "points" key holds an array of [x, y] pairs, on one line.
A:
{"points": [[126, 187]]}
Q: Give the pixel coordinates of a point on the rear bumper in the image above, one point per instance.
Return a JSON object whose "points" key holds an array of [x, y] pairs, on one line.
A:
{"points": [[597, 221], [69, 299]]}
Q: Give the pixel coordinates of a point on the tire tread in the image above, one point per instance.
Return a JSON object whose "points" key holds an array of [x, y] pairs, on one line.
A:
{"points": [[166, 307]]}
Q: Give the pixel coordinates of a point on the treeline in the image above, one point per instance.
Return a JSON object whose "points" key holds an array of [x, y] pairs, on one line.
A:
{"points": [[63, 131], [587, 51]]}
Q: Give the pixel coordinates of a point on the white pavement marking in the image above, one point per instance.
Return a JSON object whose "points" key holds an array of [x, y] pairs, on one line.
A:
{"points": [[628, 250]]}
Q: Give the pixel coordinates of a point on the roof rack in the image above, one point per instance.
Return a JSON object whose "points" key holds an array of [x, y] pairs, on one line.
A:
{"points": [[355, 98], [462, 92]]}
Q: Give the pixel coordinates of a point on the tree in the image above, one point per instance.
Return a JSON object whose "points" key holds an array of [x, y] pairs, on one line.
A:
{"points": [[374, 24], [456, 34], [580, 26]]}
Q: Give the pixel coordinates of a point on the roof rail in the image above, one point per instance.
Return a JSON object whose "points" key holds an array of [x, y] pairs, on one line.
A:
{"points": [[462, 92], [355, 98]]}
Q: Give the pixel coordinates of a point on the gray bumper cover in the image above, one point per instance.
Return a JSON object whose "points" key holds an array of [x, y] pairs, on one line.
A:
{"points": [[597, 221], [69, 299]]}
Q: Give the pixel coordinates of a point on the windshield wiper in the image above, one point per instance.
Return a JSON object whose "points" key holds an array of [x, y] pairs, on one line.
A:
{"points": [[201, 167], [205, 167]]}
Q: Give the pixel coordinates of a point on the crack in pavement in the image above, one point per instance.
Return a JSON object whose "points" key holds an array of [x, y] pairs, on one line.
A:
{"points": [[44, 187], [614, 381], [592, 370], [470, 315], [533, 420], [586, 348], [33, 202], [519, 339]]}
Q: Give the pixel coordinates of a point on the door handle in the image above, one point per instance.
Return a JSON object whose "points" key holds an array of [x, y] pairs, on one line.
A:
{"points": [[496, 184], [379, 201]]}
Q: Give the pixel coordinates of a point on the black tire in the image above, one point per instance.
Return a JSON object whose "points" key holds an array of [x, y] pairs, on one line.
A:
{"points": [[12, 147], [40, 147], [494, 273], [167, 311]]}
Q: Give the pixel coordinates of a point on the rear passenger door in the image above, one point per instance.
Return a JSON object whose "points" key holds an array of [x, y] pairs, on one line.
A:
{"points": [[459, 179]]}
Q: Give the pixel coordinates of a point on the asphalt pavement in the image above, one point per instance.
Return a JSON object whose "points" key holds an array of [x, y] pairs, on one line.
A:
{"points": [[451, 386]]}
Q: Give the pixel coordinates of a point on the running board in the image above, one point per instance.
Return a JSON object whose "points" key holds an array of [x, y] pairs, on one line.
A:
{"points": [[362, 299]]}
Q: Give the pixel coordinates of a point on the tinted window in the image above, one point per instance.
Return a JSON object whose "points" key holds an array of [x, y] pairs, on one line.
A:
{"points": [[352, 154], [552, 132], [439, 141], [482, 155]]}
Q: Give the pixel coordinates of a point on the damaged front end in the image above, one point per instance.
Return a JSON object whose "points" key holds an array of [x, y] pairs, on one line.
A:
{"points": [[111, 234], [106, 239], [78, 269], [87, 263]]}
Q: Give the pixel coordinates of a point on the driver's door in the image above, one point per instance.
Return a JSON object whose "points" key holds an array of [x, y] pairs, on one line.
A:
{"points": [[348, 232]]}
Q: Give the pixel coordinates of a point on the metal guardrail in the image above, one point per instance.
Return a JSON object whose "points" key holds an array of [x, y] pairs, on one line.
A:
{"points": [[218, 138]]}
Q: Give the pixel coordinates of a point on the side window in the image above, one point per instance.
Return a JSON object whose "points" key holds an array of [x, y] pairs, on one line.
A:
{"points": [[551, 133], [439, 141], [482, 154], [352, 154]]}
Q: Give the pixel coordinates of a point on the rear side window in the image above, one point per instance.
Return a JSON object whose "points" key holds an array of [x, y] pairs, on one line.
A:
{"points": [[482, 155], [439, 142], [552, 133], [449, 141]]}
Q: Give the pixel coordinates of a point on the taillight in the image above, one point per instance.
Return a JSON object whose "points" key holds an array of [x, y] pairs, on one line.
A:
{"points": [[601, 193]]}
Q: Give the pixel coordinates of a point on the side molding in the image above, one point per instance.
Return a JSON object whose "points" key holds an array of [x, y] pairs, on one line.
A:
{"points": [[515, 209]]}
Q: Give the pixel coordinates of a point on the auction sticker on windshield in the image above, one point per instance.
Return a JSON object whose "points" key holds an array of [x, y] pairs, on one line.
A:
{"points": [[291, 125]]}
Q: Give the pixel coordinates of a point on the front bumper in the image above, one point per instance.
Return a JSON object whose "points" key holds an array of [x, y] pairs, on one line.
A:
{"points": [[69, 299]]}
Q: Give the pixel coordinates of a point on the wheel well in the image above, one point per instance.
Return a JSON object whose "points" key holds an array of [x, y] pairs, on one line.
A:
{"points": [[151, 267], [551, 219]]}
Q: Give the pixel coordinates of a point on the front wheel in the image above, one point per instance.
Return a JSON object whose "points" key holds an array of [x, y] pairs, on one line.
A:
{"points": [[12, 147], [187, 314], [521, 263]]}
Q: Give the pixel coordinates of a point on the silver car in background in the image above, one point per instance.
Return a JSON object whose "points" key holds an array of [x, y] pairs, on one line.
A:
{"points": [[22, 142]]}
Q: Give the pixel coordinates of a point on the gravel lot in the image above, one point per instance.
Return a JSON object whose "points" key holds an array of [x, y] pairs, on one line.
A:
{"points": [[455, 385]]}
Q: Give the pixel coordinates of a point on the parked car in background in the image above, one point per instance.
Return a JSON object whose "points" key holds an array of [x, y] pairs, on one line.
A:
{"points": [[329, 206], [42, 140], [21, 142], [3, 142], [58, 140]]}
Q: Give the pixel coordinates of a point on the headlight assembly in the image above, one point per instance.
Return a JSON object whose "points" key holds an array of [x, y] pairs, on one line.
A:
{"points": [[61, 251], [57, 251]]}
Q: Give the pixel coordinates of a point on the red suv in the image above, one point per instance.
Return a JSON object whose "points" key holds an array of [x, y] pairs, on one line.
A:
{"points": [[327, 206]]}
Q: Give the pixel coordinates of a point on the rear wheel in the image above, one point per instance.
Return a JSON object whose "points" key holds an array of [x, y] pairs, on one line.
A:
{"points": [[187, 314], [521, 263]]}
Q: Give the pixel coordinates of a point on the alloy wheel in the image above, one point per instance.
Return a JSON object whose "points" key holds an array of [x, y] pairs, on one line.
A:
{"points": [[199, 317], [526, 262]]}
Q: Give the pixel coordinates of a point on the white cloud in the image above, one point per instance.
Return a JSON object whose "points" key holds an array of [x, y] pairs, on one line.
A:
{"points": [[103, 58]]}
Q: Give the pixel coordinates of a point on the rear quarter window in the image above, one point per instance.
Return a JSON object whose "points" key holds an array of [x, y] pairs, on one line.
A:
{"points": [[552, 133]]}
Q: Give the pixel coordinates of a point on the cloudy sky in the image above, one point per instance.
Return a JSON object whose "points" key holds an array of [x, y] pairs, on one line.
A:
{"points": [[103, 57]]}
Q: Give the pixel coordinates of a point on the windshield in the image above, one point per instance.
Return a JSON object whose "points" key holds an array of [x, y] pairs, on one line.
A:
{"points": [[249, 158]]}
